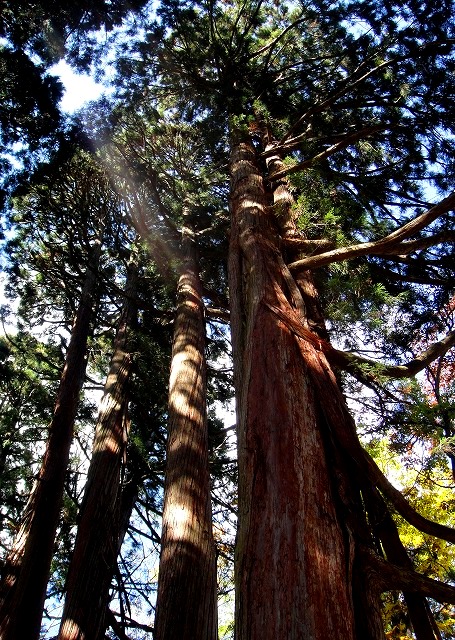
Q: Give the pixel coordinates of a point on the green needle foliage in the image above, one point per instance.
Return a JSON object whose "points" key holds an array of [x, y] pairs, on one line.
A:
{"points": [[347, 111]]}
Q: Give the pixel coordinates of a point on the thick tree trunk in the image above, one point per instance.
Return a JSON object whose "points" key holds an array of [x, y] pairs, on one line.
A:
{"points": [[27, 567], [186, 601], [97, 541], [293, 559]]}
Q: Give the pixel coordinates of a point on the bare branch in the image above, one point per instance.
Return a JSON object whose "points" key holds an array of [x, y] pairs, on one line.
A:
{"points": [[390, 244], [351, 362]]}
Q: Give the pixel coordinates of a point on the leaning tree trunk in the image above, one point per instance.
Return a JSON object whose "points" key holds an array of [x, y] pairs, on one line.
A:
{"points": [[420, 615], [27, 567], [186, 602], [293, 558], [97, 541]]}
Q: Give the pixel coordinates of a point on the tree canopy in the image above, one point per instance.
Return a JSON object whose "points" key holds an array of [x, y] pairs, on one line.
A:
{"points": [[305, 152]]}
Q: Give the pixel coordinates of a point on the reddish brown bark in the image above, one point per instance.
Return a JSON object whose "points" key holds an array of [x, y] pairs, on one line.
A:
{"points": [[293, 562], [27, 566], [97, 541], [186, 600]]}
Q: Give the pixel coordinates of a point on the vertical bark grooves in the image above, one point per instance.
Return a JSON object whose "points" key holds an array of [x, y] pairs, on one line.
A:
{"points": [[291, 560], [96, 548], [27, 566], [346, 481], [186, 601]]}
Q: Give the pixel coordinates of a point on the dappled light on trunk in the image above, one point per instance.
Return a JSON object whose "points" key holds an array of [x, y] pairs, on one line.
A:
{"points": [[186, 600]]}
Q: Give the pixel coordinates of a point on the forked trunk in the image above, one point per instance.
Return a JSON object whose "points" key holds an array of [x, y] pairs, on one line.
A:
{"points": [[97, 541], [27, 567], [186, 601], [293, 566]]}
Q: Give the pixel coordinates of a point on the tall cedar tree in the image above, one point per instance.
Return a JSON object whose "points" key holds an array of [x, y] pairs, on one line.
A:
{"points": [[186, 601], [72, 277], [360, 117], [99, 530], [26, 571]]}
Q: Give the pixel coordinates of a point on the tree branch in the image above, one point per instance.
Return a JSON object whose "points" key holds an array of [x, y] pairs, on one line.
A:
{"points": [[351, 362], [309, 247], [399, 277], [217, 314], [342, 144], [294, 143], [390, 244], [391, 577], [351, 82], [275, 41]]}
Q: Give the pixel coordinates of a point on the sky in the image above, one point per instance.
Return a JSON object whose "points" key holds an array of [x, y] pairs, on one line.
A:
{"points": [[79, 88]]}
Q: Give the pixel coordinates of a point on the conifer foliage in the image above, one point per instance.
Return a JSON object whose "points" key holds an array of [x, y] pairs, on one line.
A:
{"points": [[277, 178]]}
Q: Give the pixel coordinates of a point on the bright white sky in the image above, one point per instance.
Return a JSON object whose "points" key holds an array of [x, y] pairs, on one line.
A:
{"points": [[79, 88]]}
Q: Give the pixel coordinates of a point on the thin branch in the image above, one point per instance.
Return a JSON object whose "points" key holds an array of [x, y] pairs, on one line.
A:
{"points": [[336, 138], [217, 314], [399, 277], [277, 39], [330, 151], [350, 83], [395, 496]]}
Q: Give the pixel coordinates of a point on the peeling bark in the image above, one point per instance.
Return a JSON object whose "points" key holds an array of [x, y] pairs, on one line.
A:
{"points": [[292, 557]]}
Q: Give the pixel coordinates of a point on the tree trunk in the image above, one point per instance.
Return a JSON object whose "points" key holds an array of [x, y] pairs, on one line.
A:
{"points": [[97, 541], [293, 567], [186, 601], [27, 567]]}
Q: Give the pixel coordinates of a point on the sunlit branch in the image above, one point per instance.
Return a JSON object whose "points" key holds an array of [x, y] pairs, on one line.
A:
{"points": [[350, 362], [391, 244], [397, 499], [221, 315], [311, 247]]}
